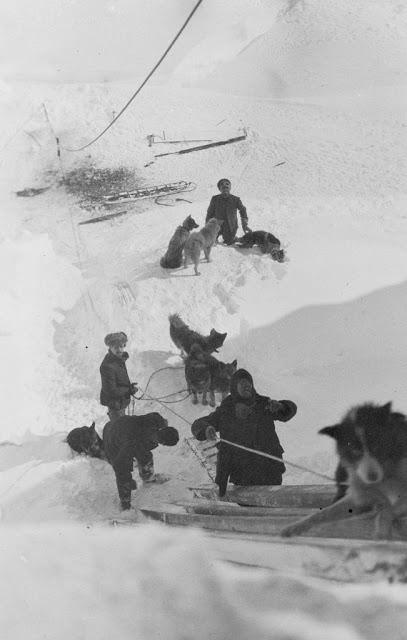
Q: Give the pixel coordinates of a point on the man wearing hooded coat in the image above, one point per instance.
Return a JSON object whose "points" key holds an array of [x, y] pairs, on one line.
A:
{"points": [[247, 418]]}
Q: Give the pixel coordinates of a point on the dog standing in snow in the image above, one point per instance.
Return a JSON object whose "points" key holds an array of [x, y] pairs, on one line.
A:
{"points": [[184, 337], [202, 240]]}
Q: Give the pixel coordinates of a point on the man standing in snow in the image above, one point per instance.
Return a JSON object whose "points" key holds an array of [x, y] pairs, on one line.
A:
{"points": [[246, 418], [116, 386], [224, 207], [132, 438]]}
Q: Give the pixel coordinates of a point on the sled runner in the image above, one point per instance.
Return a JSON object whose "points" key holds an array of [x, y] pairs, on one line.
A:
{"points": [[152, 191]]}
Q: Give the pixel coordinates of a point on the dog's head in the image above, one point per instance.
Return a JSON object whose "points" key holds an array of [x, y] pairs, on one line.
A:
{"points": [[86, 440], [197, 375], [369, 439], [216, 339], [277, 254], [189, 223], [224, 375], [196, 352]]}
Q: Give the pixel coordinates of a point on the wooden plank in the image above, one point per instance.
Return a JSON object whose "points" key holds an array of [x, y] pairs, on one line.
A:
{"points": [[211, 507], [300, 496], [108, 216], [263, 525], [311, 496], [359, 527], [219, 143]]}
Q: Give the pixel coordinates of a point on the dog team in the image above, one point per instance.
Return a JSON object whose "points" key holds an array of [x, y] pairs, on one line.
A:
{"points": [[371, 440], [187, 245]]}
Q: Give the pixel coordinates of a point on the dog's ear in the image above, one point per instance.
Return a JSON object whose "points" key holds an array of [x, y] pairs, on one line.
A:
{"points": [[385, 412], [333, 431], [92, 426], [234, 364]]}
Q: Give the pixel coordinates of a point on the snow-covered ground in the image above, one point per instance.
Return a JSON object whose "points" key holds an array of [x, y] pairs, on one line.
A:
{"points": [[323, 168]]}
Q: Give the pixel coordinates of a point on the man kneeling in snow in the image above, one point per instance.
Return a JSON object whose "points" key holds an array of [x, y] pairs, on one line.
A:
{"points": [[133, 437]]}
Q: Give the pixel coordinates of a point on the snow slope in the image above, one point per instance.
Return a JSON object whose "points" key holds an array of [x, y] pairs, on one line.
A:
{"points": [[319, 47]]}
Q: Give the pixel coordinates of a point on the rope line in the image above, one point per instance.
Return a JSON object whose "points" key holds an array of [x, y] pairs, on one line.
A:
{"points": [[260, 453], [271, 457], [150, 378], [142, 84]]}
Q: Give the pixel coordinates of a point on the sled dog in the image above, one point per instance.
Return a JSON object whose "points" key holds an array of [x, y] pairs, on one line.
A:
{"points": [[184, 337], [197, 373], [205, 373], [202, 240], [265, 240], [86, 440], [172, 259], [221, 376], [371, 444]]}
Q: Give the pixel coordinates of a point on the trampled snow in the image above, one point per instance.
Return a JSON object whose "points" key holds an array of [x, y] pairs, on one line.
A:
{"points": [[323, 167]]}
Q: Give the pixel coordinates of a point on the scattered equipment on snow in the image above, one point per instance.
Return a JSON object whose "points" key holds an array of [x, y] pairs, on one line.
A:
{"points": [[151, 191]]}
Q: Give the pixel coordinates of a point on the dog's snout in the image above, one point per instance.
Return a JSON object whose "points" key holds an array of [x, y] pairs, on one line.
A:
{"points": [[373, 476], [370, 471]]}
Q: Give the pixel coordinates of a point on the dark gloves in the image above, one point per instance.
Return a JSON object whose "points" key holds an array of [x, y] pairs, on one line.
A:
{"points": [[282, 410], [133, 388], [274, 407], [245, 227], [210, 433]]}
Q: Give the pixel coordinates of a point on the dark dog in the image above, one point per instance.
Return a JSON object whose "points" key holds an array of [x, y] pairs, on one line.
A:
{"points": [[221, 375], [172, 259], [197, 373], [86, 440], [372, 447], [205, 373], [265, 240], [184, 337]]}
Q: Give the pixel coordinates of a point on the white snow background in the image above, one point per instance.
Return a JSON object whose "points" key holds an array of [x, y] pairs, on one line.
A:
{"points": [[320, 87]]}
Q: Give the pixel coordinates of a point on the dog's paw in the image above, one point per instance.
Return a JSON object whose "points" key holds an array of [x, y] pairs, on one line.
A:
{"points": [[204, 401], [194, 400]]}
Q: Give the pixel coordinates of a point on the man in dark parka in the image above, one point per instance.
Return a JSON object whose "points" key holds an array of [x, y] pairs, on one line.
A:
{"points": [[131, 438], [246, 418], [116, 386], [224, 207]]}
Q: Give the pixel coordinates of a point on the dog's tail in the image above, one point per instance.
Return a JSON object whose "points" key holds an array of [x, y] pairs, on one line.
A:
{"points": [[175, 321]]}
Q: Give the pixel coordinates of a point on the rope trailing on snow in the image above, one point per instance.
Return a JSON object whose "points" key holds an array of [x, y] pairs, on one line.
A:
{"points": [[165, 407], [115, 119], [150, 378]]}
